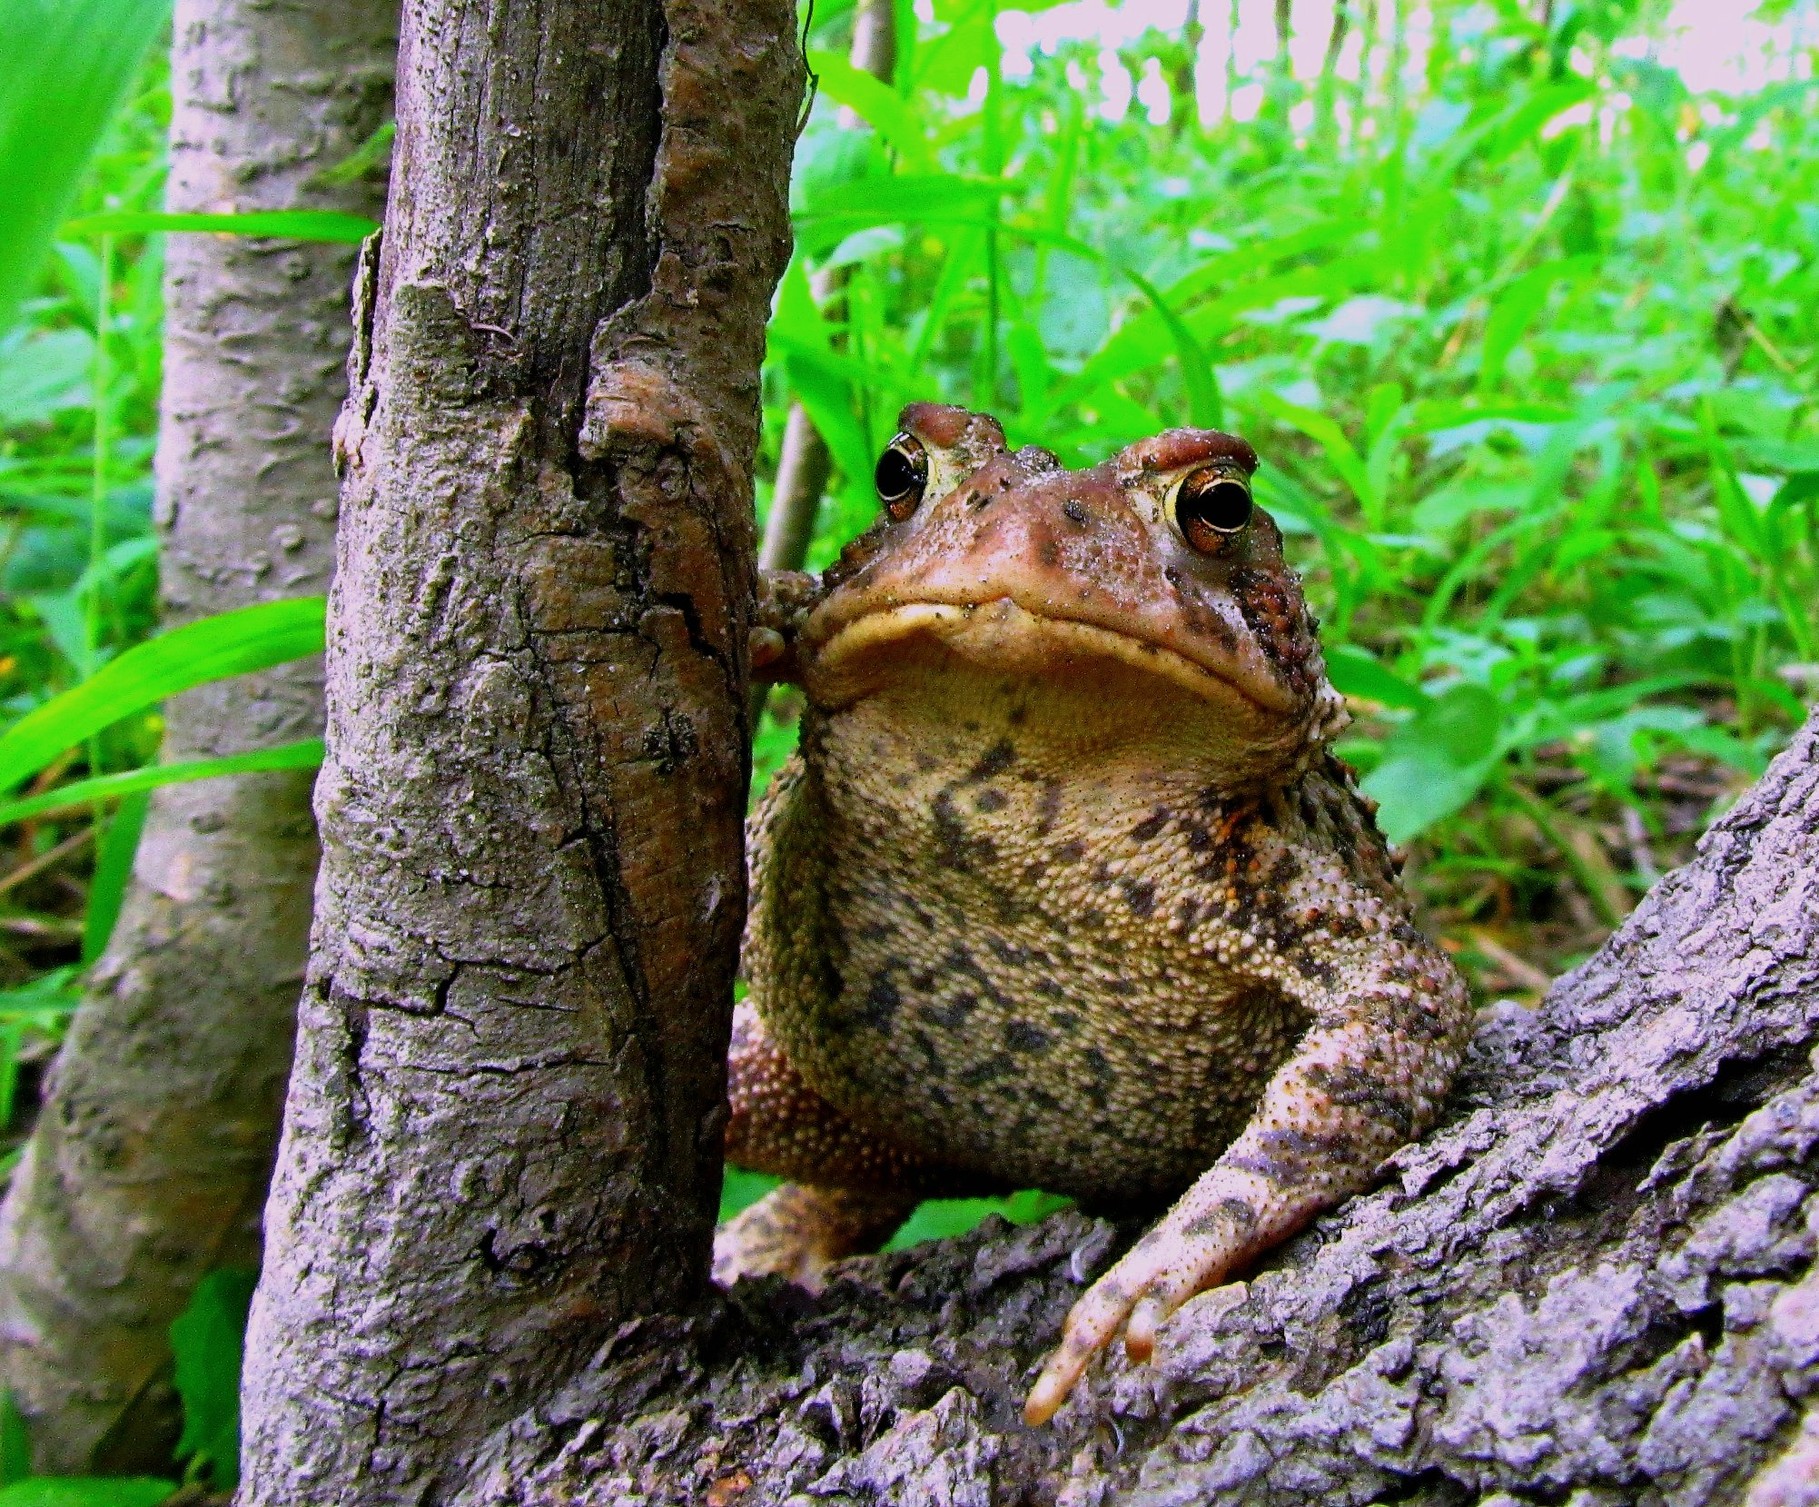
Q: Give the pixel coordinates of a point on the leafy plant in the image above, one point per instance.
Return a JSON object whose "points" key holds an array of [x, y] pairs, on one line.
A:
{"points": [[68, 63], [86, 1491], [214, 648], [1528, 377], [207, 1342]]}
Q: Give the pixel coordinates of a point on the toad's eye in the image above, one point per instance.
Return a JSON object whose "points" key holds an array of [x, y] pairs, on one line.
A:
{"points": [[1210, 506], [902, 475]]}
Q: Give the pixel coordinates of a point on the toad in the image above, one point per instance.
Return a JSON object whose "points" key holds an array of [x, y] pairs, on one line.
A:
{"points": [[1063, 887]]}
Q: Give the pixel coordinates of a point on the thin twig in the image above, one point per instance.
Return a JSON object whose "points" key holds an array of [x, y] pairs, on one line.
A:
{"points": [[1515, 967], [1642, 856], [44, 860]]}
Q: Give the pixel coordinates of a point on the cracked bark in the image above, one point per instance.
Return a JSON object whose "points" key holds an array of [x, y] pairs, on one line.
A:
{"points": [[149, 1162], [503, 1130], [1593, 1283]]}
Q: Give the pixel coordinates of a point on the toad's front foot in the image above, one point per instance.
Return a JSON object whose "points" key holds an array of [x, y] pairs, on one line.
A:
{"points": [[1197, 1245]]}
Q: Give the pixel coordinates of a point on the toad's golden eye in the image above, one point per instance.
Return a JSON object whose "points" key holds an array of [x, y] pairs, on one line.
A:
{"points": [[1210, 506], [902, 475]]}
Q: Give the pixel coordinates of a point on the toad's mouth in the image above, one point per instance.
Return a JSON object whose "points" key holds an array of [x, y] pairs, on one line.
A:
{"points": [[1001, 636]]}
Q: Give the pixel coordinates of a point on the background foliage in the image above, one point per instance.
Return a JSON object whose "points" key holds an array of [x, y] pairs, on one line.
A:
{"points": [[1522, 328]]}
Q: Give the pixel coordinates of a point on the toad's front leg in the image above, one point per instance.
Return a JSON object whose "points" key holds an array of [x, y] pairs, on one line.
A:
{"points": [[1386, 1038], [785, 599]]}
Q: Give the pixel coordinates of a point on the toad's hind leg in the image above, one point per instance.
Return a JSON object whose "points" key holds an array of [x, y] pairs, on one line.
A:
{"points": [[797, 1232], [849, 1189]]}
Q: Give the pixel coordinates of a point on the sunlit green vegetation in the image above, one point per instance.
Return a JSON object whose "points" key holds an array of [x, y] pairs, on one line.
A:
{"points": [[79, 376], [1522, 329]]}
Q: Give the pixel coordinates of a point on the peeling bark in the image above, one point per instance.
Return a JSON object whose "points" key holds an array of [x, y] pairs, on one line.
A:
{"points": [[1594, 1283], [149, 1163], [503, 1131]]}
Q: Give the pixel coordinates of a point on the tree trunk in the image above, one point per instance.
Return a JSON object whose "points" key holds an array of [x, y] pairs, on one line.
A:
{"points": [[149, 1163], [503, 1130], [1592, 1283]]}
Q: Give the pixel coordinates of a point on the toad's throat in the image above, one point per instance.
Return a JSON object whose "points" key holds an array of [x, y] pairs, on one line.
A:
{"points": [[1001, 635]]}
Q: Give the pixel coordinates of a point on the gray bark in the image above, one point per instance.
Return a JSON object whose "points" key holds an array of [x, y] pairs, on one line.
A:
{"points": [[149, 1162], [503, 1131], [1592, 1283]]}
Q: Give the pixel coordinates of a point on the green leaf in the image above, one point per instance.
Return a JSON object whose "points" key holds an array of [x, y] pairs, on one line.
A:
{"points": [[1131, 347], [943, 1218], [42, 1005], [1790, 457], [881, 107], [44, 373], [230, 643], [1441, 512], [1516, 308], [113, 870], [820, 377], [740, 1189], [306, 753], [1205, 407], [86, 1491], [207, 1340], [923, 198], [68, 62], [358, 163], [270, 224], [1510, 128], [1436, 761], [1358, 673], [947, 62], [1341, 454], [15, 1442]]}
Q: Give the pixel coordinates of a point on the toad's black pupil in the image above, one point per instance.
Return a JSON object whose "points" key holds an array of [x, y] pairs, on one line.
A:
{"points": [[1218, 502], [897, 476]]}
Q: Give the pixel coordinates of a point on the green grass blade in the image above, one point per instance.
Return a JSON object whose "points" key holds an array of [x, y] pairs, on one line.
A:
{"points": [[68, 63], [1353, 671], [207, 1342], [306, 753], [86, 1491], [881, 107], [1516, 308], [364, 159], [1205, 407], [1340, 453], [273, 224], [15, 1443], [113, 870], [231, 643], [857, 204]]}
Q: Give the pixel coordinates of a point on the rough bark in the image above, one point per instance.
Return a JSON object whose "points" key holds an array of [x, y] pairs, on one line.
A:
{"points": [[1593, 1283], [503, 1130], [149, 1164]]}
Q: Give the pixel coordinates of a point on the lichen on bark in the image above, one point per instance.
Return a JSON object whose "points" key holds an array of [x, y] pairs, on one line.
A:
{"points": [[1592, 1283]]}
